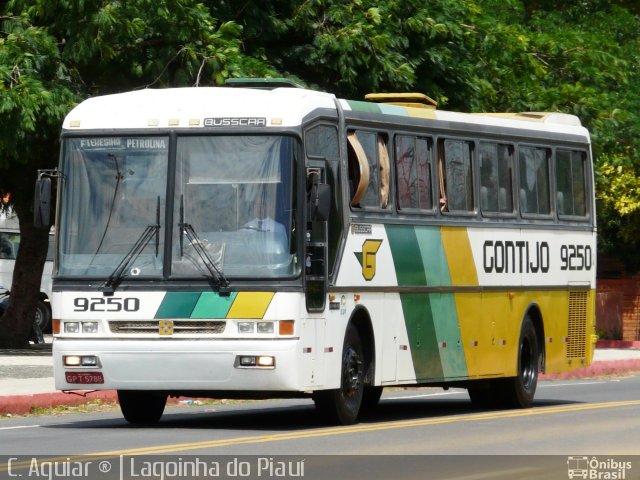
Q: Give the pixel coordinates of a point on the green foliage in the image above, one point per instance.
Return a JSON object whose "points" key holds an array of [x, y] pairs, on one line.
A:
{"points": [[117, 45], [34, 90], [352, 48]]}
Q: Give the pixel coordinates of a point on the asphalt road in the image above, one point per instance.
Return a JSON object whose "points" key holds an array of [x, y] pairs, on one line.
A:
{"points": [[599, 417]]}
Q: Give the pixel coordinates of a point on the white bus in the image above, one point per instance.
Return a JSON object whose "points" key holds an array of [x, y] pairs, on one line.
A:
{"points": [[263, 242], [9, 245]]}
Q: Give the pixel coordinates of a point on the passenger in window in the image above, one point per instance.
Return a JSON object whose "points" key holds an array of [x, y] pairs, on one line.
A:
{"points": [[262, 220]]}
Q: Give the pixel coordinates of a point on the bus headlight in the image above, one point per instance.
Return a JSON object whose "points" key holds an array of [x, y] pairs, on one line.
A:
{"points": [[246, 327], [89, 327], [80, 361], [255, 361], [71, 327], [265, 327], [77, 327]]}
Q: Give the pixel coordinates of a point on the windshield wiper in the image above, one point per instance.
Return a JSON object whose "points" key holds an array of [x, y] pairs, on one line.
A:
{"points": [[120, 271], [216, 273], [143, 240]]}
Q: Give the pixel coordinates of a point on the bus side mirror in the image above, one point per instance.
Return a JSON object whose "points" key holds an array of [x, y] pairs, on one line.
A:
{"points": [[319, 202], [42, 203]]}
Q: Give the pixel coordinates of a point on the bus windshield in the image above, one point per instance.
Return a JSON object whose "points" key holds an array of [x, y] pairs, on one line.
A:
{"points": [[231, 205], [112, 189], [235, 193]]}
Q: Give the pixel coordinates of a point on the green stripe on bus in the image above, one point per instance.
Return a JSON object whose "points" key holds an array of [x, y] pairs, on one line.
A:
{"points": [[431, 319], [393, 110], [425, 354], [416, 307], [443, 307], [212, 305], [364, 106], [433, 256], [178, 305], [443, 311], [407, 258]]}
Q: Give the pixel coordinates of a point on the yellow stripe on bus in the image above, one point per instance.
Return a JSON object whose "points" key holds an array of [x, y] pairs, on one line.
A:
{"points": [[421, 113], [459, 257], [250, 305]]}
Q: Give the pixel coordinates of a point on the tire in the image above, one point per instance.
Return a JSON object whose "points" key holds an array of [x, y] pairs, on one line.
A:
{"points": [[140, 407], [342, 405], [42, 315], [370, 398], [518, 392]]}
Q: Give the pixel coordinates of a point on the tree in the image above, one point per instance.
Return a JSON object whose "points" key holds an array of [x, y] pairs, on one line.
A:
{"points": [[594, 74], [55, 53], [35, 93]]}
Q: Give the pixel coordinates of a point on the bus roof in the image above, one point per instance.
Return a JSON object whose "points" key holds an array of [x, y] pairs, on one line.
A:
{"points": [[195, 107]]}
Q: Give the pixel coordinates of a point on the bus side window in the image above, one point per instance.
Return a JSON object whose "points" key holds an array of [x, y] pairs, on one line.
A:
{"points": [[383, 157], [369, 169], [358, 170], [571, 183], [496, 180], [456, 176], [534, 181], [413, 172]]}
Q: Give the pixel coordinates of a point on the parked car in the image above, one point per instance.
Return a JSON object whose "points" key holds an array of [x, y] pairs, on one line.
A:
{"points": [[9, 244]]}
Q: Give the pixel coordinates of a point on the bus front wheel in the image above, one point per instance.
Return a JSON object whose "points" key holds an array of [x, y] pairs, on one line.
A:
{"points": [[343, 404], [140, 407]]}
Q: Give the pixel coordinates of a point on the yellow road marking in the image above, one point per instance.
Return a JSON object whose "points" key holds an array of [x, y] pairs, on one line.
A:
{"points": [[324, 432], [331, 431]]}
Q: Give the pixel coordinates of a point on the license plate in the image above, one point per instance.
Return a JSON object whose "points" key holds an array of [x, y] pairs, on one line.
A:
{"points": [[84, 378]]}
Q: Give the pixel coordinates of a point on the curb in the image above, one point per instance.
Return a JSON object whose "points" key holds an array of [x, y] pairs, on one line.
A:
{"points": [[597, 369], [24, 404], [618, 344]]}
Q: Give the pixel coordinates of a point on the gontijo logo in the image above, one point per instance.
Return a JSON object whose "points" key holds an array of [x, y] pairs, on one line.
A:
{"points": [[367, 258]]}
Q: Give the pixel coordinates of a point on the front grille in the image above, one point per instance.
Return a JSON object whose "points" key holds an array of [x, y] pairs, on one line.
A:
{"points": [[180, 327], [577, 338]]}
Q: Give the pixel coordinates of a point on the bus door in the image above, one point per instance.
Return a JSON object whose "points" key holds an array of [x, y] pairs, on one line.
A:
{"points": [[315, 253]]}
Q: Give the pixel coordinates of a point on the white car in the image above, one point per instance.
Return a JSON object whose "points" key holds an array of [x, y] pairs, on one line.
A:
{"points": [[9, 244]]}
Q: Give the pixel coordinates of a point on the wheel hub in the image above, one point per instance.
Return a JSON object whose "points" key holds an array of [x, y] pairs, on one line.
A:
{"points": [[352, 371]]}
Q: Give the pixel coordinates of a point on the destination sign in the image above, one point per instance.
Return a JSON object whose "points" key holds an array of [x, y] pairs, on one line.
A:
{"points": [[120, 143]]}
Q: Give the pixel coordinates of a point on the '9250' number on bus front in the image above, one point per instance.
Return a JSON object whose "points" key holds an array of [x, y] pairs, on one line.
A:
{"points": [[110, 304]]}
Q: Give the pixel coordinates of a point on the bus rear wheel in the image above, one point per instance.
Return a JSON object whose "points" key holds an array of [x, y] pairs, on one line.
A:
{"points": [[512, 392], [518, 392], [342, 405], [140, 407]]}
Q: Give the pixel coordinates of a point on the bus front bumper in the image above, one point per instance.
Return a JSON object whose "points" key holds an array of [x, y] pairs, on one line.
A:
{"points": [[178, 366]]}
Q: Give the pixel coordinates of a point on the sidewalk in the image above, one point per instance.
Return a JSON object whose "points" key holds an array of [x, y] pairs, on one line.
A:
{"points": [[26, 376]]}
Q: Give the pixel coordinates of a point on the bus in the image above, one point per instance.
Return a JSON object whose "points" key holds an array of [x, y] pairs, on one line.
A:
{"points": [[261, 240]]}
